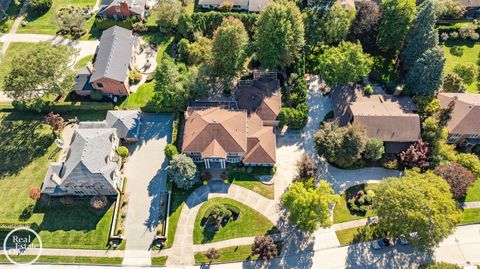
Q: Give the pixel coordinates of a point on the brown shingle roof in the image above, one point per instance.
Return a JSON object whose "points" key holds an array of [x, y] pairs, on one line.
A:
{"points": [[261, 142], [262, 97], [465, 117]]}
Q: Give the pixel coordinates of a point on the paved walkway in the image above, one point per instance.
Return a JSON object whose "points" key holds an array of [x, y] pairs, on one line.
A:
{"points": [[182, 249], [145, 173], [353, 224], [475, 204]]}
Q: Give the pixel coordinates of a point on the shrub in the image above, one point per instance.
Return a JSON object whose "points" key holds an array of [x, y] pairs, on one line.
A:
{"points": [[98, 201], [474, 36], [182, 171], [454, 35], [35, 194], [467, 71], [150, 77], [226, 6], [212, 254], [416, 156], [170, 151], [139, 27], [390, 164], [305, 167], [122, 151], [469, 161], [134, 76], [374, 149], [96, 95], [264, 247], [452, 82], [444, 36], [457, 51], [249, 169], [362, 201], [367, 90], [66, 200], [458, 177], [39, 6], [466, 31], [273, 170]]}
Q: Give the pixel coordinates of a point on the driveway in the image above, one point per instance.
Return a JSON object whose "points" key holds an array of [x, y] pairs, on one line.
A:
{"points": [[146, 177]]}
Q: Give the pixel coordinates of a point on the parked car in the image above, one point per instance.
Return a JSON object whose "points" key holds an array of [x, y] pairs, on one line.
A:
{"points": [[383, 243], [402, 240]]}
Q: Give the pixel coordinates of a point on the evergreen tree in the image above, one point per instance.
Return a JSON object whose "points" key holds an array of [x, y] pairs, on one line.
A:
{"points": [[422, 35], [426, 74]]}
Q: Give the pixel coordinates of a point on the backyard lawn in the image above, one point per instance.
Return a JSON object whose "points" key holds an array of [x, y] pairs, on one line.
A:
{"points": [[471, 51], [13, 50], [159, 261], [341, 212], [229, 254], [251, 182], [29, 145], [248, 223], [45, 23]]}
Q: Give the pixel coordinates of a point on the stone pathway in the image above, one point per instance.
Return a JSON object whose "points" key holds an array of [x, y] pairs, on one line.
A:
{"points": [[182, 249]]}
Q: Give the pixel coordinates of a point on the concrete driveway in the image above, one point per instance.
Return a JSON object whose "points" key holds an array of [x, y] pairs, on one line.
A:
{"points": [[146, 177]]}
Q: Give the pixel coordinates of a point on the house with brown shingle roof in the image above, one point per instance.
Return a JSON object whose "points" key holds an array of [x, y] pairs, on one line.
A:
{"points": [[389, 118], [464, 124]]}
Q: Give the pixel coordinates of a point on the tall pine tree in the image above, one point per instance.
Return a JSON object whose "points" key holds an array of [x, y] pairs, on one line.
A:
{"points": [[426, 74], [422, 35]]}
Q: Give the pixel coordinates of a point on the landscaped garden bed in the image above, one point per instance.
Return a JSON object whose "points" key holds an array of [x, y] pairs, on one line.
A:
{"points": [[249, 177], [345, 210], [243, 221]]}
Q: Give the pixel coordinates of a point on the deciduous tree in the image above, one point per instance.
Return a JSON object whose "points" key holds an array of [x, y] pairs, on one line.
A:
{"points": [[167, 14], [212, 254], [452, 82], [55, 121], [374, 149], [458, 177], [264, 247], [418, 207], [393, 28], [305, 167], [365, 26], [182, 171], [416, 156], [467, 71]]}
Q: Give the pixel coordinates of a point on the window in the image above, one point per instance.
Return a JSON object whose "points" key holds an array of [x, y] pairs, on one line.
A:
{"points": [[117, 9], [474, 136], [453, 138], [233, 160], [100, 85]]}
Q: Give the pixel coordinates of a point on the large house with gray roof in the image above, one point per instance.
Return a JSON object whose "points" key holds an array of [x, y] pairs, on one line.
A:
{"points": [[113, 62], [91, 167], [127, 124]]}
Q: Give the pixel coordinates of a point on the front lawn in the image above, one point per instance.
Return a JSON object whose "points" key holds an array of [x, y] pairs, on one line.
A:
{"points": [[473, 193], [248, 223], [83, 62], [229, 254], [66, 259], [358, 234], [341, 212], [250, 181], [470, 216], [30, 148], [471, 51], [13, 50], [45, 23], [159, 261]]}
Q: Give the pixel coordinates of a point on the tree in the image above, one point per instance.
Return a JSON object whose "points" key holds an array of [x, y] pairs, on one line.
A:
{"points": [[170, 151], [436, 136], [469, 161], [41, 70], [293, 118], [55, 121], [279, 35], [264, 247], [212, 254], [39, 6], [374, 149], [458, 177], [309, 207], [35, 194], [122, 151], [418, 207], [71, 20], [427, 105], [194, 53], [416, 156], [305, 167], [426, 75], [228, 48], [167, 14], [452, 83], [467, 71], [217, 213], [440, 265], [343, 64], [329, 27], [394, 24], [422, 35], [182, 171], [365, 26], [451, 9]]}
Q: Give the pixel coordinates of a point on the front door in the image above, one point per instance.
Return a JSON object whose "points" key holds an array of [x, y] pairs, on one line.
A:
{"points": [[215, 163]]}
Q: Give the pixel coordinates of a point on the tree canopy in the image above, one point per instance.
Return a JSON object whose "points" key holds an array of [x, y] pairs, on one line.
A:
{"points": [[182, 171], [365, 26], [393, 28], [426, 75], [279, 35], [167, 14], [418, 207]]}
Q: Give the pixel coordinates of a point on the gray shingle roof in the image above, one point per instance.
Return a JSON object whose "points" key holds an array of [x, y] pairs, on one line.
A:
{"points": [[126, 122], [114, 54]]}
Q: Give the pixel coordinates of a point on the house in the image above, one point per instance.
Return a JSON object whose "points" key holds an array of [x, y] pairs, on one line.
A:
{"points": [[217, 136], [113, 61], [389, 118], [238, 5], [472, 7], [464, 124], [91, 167], [122, 9], [127, 124]]}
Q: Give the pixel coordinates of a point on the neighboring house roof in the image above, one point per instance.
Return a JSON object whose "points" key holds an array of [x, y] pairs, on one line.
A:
{"points": [[82, 80], [126, 122], [465, 117], [114, 54], [88, 157], [218, 2], [215, 131], [262, 96], [135, 6], [257, 5], [386, 117], [469, 3]]}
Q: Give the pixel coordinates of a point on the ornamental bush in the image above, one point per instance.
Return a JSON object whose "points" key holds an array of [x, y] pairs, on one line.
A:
{"points": [[264, 247], [122, 151], [362, 201], [469, 161], [458, 177], [170, 151], [35, 194]]}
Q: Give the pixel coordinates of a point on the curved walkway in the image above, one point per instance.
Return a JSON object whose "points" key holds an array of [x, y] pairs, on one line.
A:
{"points": [[182, 250]]}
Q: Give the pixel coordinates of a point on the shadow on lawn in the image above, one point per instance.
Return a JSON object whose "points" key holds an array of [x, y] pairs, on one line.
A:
{"points": [[34, 144]]}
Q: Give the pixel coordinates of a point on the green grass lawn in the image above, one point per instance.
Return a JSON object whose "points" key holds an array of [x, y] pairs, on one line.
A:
{"points": [[229, 254], [346, 237], [159, 261], [471, 215], [473, 193], [30, 148], [83, 62], [358, 234], [249, 223], [341, 212], [65, 259], [45, 23], [251, 182], [471, 51], [13, 50]]}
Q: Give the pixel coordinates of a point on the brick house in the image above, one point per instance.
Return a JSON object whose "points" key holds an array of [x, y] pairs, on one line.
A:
{"points": [[122, 9], [464, 124]]}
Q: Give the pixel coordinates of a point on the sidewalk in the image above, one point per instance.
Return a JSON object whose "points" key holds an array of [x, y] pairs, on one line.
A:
{"points": [[475, 204], [77, 252]]}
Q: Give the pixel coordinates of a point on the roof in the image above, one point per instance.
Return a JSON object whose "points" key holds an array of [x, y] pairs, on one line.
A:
{"points": [[218, 2], [465, 117], [126, 122], [257, 5], [82, 80], [261, 142], [386, 117], [135, 6], [261, 96], [88, 157], [114, 54], [469, 3], [215, 130]]}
